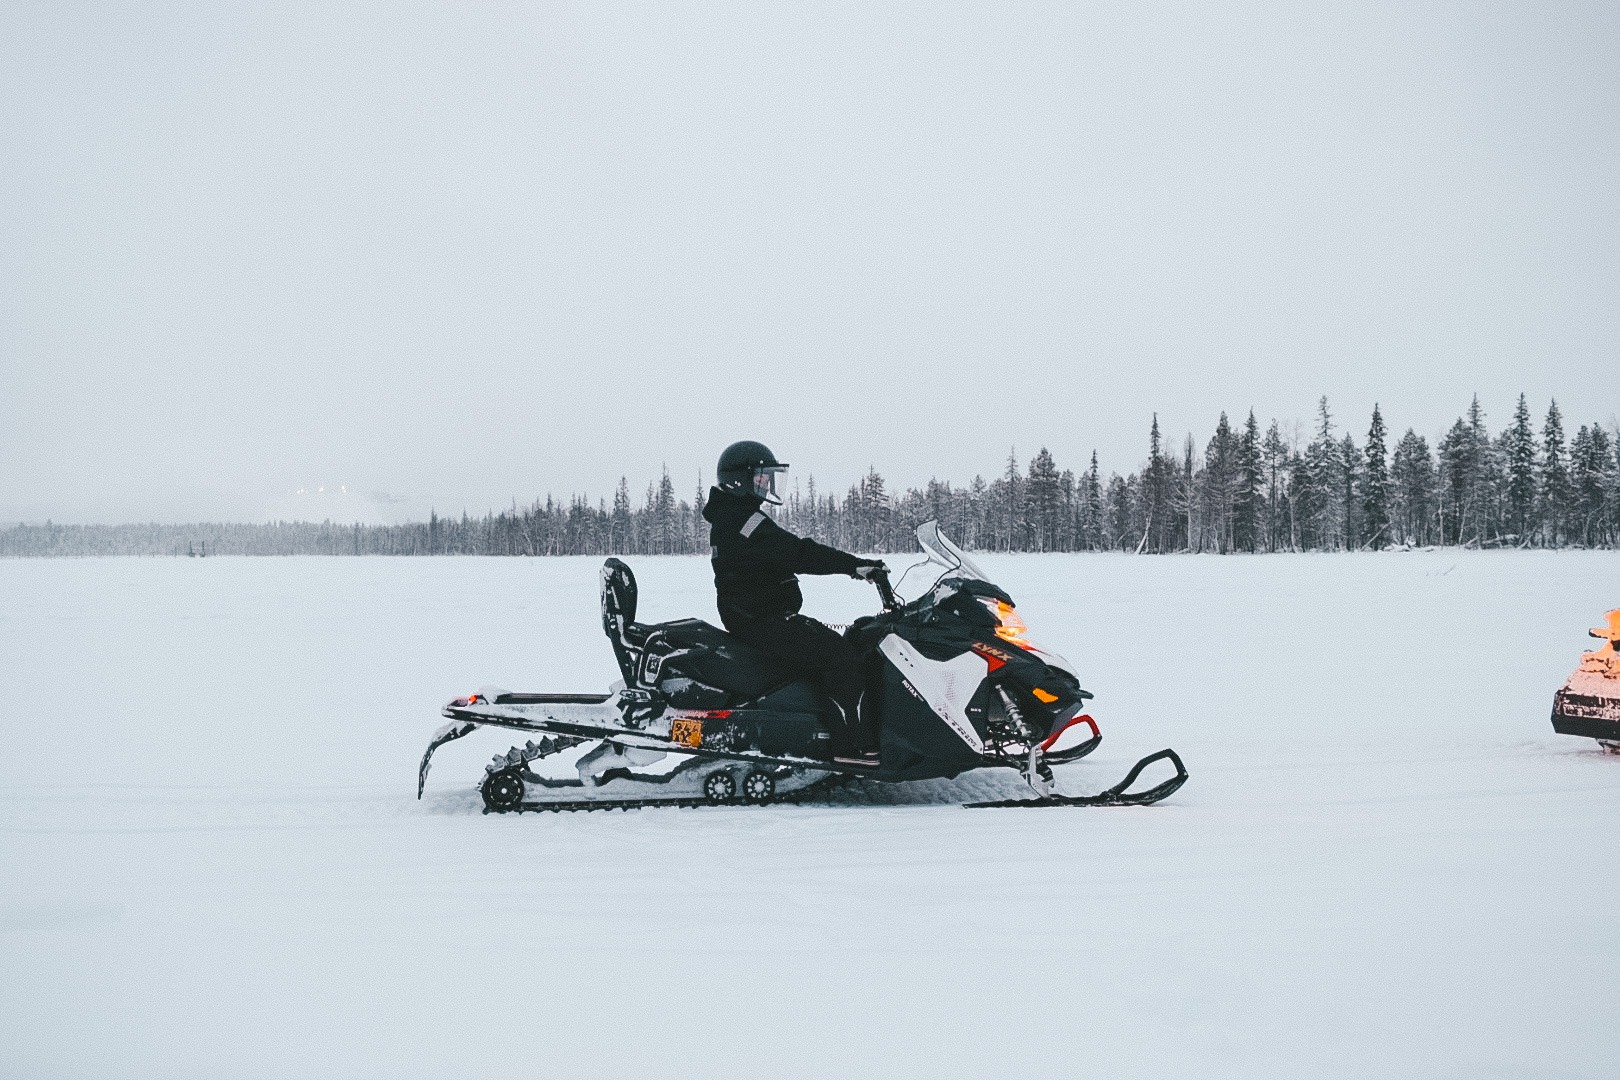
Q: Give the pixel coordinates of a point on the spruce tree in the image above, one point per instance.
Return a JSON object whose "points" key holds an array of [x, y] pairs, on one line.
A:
{"points": [[1155, 494], [1493, 485], [700, 526], [663, 529], [1322, 496], [1554, 478], [1611, 499], [1603, 465], [1070, 521], [1456, 467], [1275, 452], [1521, 473], [1185, 499], [874, 500], [1246, 505], [1480, 479], [1012, 493], [1588, 476], [1351, 492], [1375, 486], [619, 529], [979, 511], [1301, 501], [1219, 483], [1121, 514], [1042, 503], [1092, 538]]}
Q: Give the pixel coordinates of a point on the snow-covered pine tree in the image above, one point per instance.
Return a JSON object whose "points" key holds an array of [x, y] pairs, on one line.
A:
{"points": [[1012, 504], [619, 532], [1246, 497], [1302, 501], [700, 527], [1155, 495], [1126, 513], [1324, 467], [1554, 484], [875, 501], [1521, 474], [1185, 499], [1611, 500], [1456, 470], [1477, 501], [1350, 482], [1588, 476], [1603, 464], [1218, 487], [1071, 514], [1375, 486], [1094, 538], [1042, 504], [1274, 456], [663, 527]]}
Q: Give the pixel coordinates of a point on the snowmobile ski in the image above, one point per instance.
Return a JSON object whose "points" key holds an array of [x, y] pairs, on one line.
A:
{"points": [[1114, 796]]}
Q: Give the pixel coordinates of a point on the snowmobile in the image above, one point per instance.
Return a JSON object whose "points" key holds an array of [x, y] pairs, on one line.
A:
{"points": [[952, 682], [1588, 703]]}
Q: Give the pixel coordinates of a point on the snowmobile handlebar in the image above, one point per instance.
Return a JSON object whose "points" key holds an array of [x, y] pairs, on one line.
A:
{"points": [[880, 578]]}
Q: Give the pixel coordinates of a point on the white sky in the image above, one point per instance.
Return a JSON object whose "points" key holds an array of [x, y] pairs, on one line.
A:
{"points": [[461, 253]]}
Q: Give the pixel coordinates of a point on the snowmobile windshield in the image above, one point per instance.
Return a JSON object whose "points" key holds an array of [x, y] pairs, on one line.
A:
{"points": [[941, 550], [944, 559]]}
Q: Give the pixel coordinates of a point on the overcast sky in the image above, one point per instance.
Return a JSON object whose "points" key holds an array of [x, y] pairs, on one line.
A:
{"points": [[452, 254]]}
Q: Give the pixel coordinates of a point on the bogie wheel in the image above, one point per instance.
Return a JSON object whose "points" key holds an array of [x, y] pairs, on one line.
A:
{"points": [[721, 787], [759, 787], [502, 791]]}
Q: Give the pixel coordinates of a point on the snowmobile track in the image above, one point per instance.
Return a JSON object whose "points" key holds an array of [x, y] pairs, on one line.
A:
{"points": [[1118, 795], [561, 805]]}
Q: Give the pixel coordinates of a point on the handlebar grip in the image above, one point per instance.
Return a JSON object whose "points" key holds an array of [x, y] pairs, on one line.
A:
{"points": [[880, 578]]}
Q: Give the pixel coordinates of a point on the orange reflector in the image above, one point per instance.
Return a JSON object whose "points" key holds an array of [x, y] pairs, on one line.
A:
{"points": [[1043, 697]]}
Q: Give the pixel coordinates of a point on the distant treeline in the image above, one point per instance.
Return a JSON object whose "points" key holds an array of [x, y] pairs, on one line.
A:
{"points": [[1246, 491]]}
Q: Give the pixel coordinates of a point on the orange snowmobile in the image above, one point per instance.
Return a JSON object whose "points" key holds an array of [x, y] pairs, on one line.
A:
{"points": [[1589, 703]]}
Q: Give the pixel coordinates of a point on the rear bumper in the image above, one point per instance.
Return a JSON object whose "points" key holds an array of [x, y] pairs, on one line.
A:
{"points": [[1591, 716]]}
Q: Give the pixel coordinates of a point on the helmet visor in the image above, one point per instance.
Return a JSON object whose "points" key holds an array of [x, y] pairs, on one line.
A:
{"points": [[765, 482]]}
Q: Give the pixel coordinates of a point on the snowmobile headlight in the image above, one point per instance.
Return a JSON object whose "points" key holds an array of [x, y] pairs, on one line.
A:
{"points": [[1009, 626]]}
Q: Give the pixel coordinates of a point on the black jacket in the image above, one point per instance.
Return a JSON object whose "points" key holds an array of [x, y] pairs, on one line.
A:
{"points": [[755, 559]]}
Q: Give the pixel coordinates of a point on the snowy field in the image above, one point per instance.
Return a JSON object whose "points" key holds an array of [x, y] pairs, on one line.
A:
{"points": [[213, 864]]}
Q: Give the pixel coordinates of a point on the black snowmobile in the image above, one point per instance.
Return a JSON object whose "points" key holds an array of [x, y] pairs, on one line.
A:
{"points": [[953, 682]]}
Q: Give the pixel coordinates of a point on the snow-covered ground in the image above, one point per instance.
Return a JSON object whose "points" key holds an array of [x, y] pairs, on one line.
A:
{"points": [[212, 863]]}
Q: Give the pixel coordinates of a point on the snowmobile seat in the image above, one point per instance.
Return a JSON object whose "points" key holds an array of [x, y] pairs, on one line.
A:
{"points": [[687, 649], [696, 651]]}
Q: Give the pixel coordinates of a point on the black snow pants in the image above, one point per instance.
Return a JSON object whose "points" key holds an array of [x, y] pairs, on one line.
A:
{"points": [[818, 650]]}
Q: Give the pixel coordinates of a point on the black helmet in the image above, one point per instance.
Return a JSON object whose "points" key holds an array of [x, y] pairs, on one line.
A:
{"points": [[749, 468]]}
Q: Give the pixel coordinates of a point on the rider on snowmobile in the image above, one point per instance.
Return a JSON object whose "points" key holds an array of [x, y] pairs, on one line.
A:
{"points": [[757, 592]]}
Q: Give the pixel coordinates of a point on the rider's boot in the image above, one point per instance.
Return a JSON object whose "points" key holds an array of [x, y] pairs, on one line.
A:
{"points": [[857, 736]]}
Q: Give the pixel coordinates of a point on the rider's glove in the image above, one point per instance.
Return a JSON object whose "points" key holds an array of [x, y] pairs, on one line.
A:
{"points": [[867, 570]]}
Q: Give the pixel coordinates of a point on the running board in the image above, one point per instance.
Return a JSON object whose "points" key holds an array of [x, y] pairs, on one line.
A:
{"points": [[1114, 796]]}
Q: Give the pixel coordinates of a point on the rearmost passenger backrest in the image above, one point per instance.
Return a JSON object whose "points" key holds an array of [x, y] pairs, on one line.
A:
{"points": [[618, 612]]}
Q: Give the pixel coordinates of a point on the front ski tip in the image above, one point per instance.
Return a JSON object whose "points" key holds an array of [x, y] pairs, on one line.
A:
{"points": [[1118, 795], [449, 733]]}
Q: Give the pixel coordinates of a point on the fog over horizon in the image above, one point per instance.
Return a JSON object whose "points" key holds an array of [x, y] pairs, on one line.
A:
{"points": [[435, 257]]}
